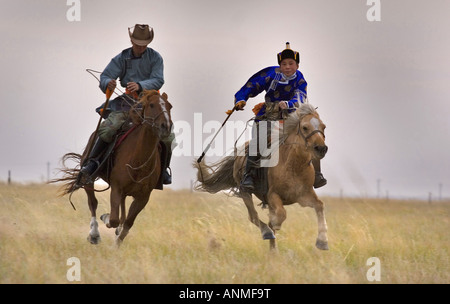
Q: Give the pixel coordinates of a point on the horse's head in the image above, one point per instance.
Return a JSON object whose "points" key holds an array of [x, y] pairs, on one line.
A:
{"points": [[155, 112], [308, 125], [312, 129]]}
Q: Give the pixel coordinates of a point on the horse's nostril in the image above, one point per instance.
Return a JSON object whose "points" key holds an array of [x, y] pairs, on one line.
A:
{"points": [[321, 149]]}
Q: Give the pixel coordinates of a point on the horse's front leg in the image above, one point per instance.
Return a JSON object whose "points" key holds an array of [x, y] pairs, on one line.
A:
{"points": [[123, 216], [310, 199], [116, 199], [277, 215], [266, 232], [322, 238], [135, 208], [94, 233], [111, 220]]}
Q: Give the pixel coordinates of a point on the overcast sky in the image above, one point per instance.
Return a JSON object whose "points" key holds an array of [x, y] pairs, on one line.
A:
{"points": [[382, 87]]}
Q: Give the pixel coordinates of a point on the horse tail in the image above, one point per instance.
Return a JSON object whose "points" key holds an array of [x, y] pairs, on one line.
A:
{"points": [[216, 177], [70, 176]]}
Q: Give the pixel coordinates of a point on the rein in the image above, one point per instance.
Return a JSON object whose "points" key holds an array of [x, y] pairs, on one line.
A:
{"points": [[151, 121], [140, 167]]}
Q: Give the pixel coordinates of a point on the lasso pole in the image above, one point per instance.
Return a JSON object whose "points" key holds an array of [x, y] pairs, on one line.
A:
{"points": [[209, 145]]}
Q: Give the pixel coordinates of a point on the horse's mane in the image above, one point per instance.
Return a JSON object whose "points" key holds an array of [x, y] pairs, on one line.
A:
{"points": [[291, 123]]}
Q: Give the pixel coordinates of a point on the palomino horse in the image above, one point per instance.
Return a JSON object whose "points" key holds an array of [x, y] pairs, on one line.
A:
{"points": [[136, 166], [289, 181]]}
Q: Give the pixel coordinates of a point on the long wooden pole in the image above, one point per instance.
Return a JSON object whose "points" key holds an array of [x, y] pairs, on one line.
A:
{"points": [[209, 145]]}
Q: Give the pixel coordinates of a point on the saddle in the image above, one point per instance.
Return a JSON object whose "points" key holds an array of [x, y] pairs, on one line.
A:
{"points": [[259, 174], [106, 159]]}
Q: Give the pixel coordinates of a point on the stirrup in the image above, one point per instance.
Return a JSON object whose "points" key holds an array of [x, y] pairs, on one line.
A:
{"points": [[85, 176]]}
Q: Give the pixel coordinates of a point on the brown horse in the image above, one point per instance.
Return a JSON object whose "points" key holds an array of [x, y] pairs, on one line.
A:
{"points": [[136, 166], [289, 181]]}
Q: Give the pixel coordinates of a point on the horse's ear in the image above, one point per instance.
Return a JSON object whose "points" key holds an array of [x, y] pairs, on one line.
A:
{"points": [[149, 93], [165, 97]]}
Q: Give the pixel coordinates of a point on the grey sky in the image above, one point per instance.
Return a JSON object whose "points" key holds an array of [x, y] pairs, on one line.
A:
{"points": [[381, 87]]}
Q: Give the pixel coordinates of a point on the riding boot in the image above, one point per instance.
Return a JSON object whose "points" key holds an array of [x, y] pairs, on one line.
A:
{"points": [[319, 180], [247, 180], [167, 177], [93, 160]]}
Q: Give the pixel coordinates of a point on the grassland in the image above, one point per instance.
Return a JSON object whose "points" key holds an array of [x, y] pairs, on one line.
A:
{"points": [[184, 237]]}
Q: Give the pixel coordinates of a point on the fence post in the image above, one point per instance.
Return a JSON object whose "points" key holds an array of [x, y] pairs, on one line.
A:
{"points": [[9, 177]]}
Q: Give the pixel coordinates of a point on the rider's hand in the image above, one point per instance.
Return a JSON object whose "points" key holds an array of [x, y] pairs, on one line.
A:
{"points": [[112, 84], [132, 87], [283, 105], [240, 105]]}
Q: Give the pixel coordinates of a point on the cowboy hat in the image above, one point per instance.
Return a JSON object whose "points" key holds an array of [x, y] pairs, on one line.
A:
{"points": [[142, 34]]}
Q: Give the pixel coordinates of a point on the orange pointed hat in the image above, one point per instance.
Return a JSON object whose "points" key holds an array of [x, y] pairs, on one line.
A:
{"points": [[288, 53]]}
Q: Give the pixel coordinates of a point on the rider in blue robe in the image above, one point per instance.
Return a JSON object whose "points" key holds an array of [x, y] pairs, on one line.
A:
{"points": [[279, 88], [285, 89]]}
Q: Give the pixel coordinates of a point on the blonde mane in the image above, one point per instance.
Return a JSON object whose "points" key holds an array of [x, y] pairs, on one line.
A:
{"points": [[291, 123]]}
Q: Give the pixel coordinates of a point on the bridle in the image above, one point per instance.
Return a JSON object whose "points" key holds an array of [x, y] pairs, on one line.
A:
{"points": [[305, 138], [151, 120]]}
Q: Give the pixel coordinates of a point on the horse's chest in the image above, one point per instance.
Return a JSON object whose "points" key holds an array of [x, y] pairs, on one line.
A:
{"points": [[286, 191], [291, 195]]}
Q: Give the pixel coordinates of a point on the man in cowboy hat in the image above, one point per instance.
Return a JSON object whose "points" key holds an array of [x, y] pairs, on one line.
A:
{"points": [[138, 68], [285, 89]]}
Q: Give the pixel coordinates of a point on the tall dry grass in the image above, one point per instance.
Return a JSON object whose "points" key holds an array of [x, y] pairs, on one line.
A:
{"points": [[183, 237]]}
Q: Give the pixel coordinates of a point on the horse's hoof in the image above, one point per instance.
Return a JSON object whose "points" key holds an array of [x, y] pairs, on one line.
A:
{"points": [[322, 245], [94, 239], [104, 216], [268, 235]]}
